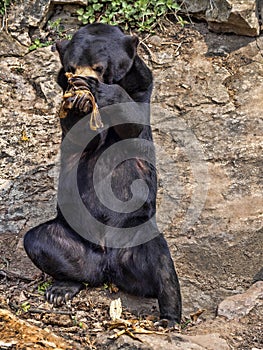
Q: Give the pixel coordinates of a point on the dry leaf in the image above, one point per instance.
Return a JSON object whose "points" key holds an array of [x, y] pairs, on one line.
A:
{"points": [[24, 136], [115, 309], [194, 316], [113, 288]]}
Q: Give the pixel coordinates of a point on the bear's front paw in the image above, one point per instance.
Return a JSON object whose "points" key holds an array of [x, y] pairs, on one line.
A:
{"points": [[81, 91], [80, 97], [62, 291], [79, 82], [83, 102]]}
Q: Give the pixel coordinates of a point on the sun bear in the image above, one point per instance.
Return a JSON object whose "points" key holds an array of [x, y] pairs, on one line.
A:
{"points": [[124, 245]]}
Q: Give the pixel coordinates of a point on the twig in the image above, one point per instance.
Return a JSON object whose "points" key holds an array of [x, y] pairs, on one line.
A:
{"points": [[145, 38], [3, 23], [40, 311], [13, 275], [37, 280], [170, 43], [212, 4], [187, 12], [130, 333], [147, 49], [6, 261], [4, 20], [44, 311], [178, 48]]}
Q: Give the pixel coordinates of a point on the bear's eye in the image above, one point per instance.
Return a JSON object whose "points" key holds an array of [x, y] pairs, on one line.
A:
{"points": [[71, 69], [98, 68]]}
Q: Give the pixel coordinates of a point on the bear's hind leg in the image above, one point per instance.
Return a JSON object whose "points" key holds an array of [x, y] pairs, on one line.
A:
{"points": [[61, 253]]}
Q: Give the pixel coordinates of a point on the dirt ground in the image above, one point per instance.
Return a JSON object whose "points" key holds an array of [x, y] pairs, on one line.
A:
{"points": [[85, 322]]}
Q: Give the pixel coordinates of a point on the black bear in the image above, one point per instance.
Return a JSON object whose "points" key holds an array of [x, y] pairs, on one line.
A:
{"points": [[104, 59]]}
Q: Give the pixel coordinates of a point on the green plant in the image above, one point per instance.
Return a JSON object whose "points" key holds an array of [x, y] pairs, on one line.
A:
{"points": [[140, 14], [57, 30], [43, 287], [25, 306], [56, 25], [3, 6], [77, 323], [181, 21], [38, 43]]}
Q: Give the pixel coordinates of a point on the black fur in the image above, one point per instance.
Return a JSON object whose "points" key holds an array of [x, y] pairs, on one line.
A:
{"points": [[146, 269]]}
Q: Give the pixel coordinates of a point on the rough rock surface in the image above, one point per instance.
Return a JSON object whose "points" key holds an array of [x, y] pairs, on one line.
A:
{"points": [[240, 305], [29, 101], [36, 13], [19, 334], [211, 97], [229, 16]]}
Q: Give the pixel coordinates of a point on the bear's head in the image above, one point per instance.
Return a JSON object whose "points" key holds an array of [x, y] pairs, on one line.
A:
{"points": [[99, 50]]}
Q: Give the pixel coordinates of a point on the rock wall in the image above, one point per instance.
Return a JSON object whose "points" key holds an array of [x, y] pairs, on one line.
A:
{"points": [[228, 16], [219, 100]]}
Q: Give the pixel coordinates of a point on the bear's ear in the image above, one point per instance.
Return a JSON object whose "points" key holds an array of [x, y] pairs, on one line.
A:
{"points": [[61, 46], [130, 45]]}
